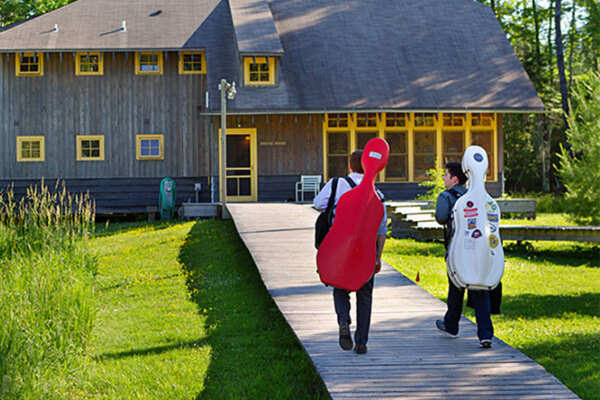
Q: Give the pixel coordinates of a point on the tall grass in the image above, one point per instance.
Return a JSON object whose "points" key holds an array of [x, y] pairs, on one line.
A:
{"points": [[46, 292]]}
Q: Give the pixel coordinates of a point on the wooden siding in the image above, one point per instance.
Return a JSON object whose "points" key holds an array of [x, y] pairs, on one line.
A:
{"points": [[118, 105]]}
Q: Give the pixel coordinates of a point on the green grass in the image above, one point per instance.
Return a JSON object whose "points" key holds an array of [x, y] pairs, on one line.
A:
{"points": [[183, 314], [542, 219], [550, 304]]}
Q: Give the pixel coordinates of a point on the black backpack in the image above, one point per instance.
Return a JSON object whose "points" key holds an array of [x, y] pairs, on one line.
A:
{"points": [[325, 219], [449, 226]]}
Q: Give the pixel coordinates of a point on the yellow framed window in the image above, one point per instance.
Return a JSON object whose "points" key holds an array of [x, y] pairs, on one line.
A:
{"points": [[424, 119], [397, 166], [337, 120], [338, 150], [148, 62], [259, 70], [424, 145], [29, 64], [91, 63], [396, 120], [30, 148], [192, 62], [150, 147], [482, 119], [452, 146], [453, 120], [485, 139], [90, 147]]}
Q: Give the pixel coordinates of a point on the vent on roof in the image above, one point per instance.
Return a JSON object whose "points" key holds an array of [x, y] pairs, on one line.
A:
{"points": [[155, 13]]}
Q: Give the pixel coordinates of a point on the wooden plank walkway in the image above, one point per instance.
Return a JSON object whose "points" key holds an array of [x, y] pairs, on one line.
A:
{"points": [[407, 357]]}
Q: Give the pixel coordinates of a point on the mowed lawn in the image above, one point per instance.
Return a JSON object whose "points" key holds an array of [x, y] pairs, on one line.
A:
{"points": [[550, 304], [182, 314]]}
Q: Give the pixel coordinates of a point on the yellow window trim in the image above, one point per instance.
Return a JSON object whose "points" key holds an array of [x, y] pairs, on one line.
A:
{"points": [[259, 60], [23, 139], [138, 63], [40, 63], [161, 147], [78, 63], [81, 138], [410, 128], [181, 62]]}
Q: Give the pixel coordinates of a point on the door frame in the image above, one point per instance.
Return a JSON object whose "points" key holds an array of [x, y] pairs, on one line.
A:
{"points": [[253, 159]]}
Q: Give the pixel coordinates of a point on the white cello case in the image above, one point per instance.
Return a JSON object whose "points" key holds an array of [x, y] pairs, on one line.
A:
{"points": [[475, 257]]}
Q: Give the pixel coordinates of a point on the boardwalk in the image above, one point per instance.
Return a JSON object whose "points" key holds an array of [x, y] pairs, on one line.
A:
{"points": [[407, 357]]}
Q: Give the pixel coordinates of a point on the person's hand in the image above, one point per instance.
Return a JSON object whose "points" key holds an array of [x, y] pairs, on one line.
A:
{"points": [[377, 266]]}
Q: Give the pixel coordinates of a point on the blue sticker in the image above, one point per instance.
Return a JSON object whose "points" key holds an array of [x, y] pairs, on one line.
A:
{"points": [[478, 157]]}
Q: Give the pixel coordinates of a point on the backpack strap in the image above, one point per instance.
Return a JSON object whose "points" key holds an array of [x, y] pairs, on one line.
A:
{"points": [[350, 182], [331, 202], [447, 228]]}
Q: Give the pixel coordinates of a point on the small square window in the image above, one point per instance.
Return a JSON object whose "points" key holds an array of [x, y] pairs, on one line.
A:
{"points": [[30, 64], [30, 148], [259, 70], [90, 63], [148, 63], [90, 148], [192, 62], [150, 147]]}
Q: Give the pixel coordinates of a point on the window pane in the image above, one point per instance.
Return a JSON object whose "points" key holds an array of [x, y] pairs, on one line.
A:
{"points": [[337, 120], [395, 119], [337, 143], [453, 146], [397, 167], [362, 138], [424, 159], [484, 139], [396, 141], [238, 151]]}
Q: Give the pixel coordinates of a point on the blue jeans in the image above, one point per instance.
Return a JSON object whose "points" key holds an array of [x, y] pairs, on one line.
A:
{"points": [[364, 301], [481, 304]]}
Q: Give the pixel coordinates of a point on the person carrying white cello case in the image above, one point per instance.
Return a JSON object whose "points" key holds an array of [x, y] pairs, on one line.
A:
{"points": [[474, 257]]}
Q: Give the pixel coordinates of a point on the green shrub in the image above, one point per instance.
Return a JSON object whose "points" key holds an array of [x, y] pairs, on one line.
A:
{"points": [[435, 184], [578, 167]]}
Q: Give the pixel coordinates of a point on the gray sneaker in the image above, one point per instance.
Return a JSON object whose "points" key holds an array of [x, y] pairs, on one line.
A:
{"points": [[485, 343], [345, 337], [440, 325]]}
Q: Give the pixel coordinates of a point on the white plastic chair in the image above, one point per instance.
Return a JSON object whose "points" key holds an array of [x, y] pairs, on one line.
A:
{"points": [[308, 183]]}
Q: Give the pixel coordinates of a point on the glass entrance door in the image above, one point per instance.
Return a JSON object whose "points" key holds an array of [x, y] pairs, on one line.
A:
{"points": [[241, 161]]}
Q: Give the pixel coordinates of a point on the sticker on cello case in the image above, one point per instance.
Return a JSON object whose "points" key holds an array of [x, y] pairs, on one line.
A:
{"points": [[491, 205], [492, 217], [374, 154], [478, 157], [493, 228], [469, 204], [471, 223], [476, 234], [494, 241]]}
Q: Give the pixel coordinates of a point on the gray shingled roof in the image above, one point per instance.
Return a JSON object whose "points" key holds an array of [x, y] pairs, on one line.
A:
{"points": [[337, 54], [96, 24], [254, 27], [382, 54]]}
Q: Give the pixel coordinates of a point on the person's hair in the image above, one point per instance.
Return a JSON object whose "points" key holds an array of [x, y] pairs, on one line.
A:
{"points": [[355, 162], [455, 169]]}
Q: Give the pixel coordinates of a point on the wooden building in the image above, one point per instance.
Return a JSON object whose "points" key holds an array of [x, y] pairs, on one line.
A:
{"points": [[112, 96]]}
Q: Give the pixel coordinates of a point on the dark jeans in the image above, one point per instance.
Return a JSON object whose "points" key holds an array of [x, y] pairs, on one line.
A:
{"points": [[364, 300], [481, 304]]}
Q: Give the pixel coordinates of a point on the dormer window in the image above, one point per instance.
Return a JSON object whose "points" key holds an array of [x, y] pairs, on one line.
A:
{"points": [[30, 64], [148, 63], [259, 70]]}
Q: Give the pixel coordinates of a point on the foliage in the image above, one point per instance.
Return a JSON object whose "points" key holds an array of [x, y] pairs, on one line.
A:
{"points": [[46, 296], [579, 170], [12, 11], [550, 312], [435, 183]]}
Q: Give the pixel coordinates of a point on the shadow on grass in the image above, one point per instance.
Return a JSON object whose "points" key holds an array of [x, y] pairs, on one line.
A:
{"points": [[570, 356], [531, 306], [149, 351], [254, 352], [574, 255]]}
